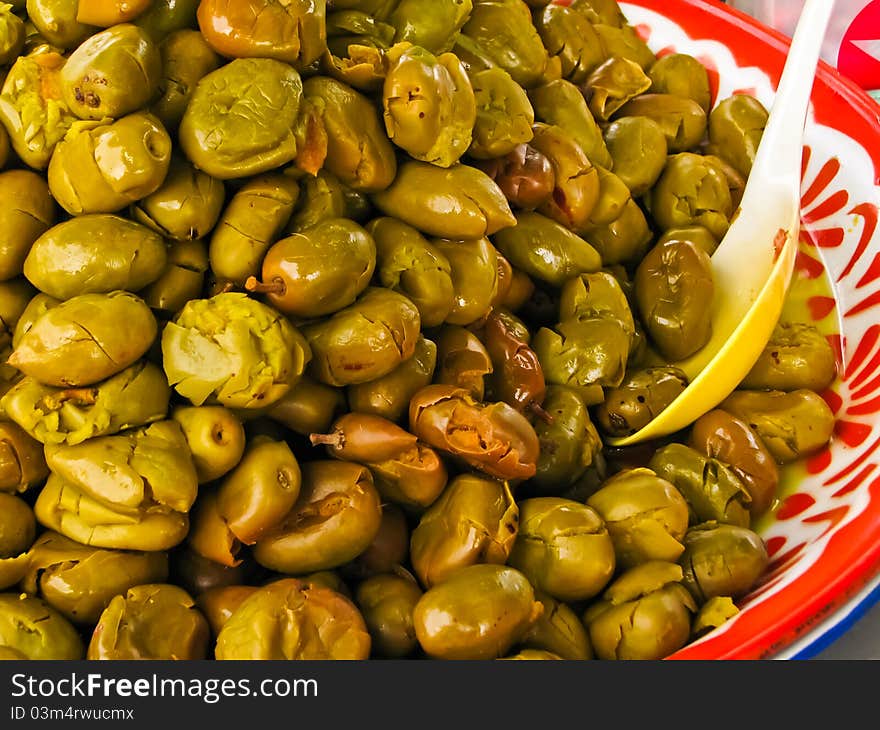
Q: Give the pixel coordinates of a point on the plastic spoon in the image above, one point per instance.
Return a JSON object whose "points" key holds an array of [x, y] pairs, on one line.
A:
{"points": [[753, 264]]}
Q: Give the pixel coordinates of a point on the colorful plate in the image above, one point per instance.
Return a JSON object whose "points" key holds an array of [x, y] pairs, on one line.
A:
{"points": [[824, 535]]}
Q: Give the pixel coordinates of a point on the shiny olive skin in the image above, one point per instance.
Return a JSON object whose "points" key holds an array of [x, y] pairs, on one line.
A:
{"points": [[209, 536], [297, 278], [335, 519], [32, 627], [79, 581], [212, 341], [504, 114], [290, 619], [253, 219], [712, 490], [104, 15], [408, 263], [121, 329], [358, 151], [293, 32], [183, 278], [722, 560], [308, 407], [638, 149], [73, 257], [517, 376], [796, 357], [322, 197], [112, 73], [700, 236], [680, 74], [387, 603], [151, 621], [641, 396], [692, 190], [167, 16], [474, 272], [613, 84], [429, 105], [260, 490], [186, 205], [559, 631], [432, 24], [646, 614], [736, 126], [389, 549], [56, 22], [215, 436], [186, 58], [462, 360], [12, 35], [480, 612], [791, 425], [458, 203], [22, 464], [491, 437], [219, 603], [474, 521], [713, 613], [570, 36], [623, 41], [546, 250], [197, 574], [682, 120], [252, 131], [27, 210], [563, 548], [525, 176], [17, 525], [674, 290], [646, 516], [722, 436]]}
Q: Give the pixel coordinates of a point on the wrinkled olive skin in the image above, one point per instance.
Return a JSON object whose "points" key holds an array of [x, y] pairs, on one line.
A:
{"points": [[387, 603], [680, 74], [638, 149], [183, 278], [736, 126], [209, 536], [713, 613], [797, 357], [462, 360], [112, 73], [219, 603], [22, 463], [167, 16], [56, 21], [791, 425], [480, 612], [570, 36], [525, 176], [613, 84], [458, 203], [259, 492], [646, 614], [558, 631], [474, 272], [720, 435], [298, 277], [700, 236], [33, 628], [641, 396], [293, 32], [646, 516], [197, 574], [682, 120], [407, 263], [210, 351], [623, 41], [186, 59], [322, 197], [712, 490], [722, 560], [601, 12], [624, 240], [692, 190], [491, 437], [389, 549], [335, 519], [121, 329], [233, 128], [359, 152], [570, 444], [429, 105], [364, 341], [215, 436], [186, 206], [27, 210], [253, 219], [17, 526], [546, 250], [79, 581], [674, 289], [563, 548], [517, 377], [87, 173], [136, 396], [95, 254], [104, 14], [12, 35], [151, 621], [309, 407], [432, 24], [289, 619], [32, 109], [474, 521], [504, 114]]}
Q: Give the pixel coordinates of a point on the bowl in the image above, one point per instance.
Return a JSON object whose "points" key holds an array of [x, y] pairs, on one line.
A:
{"points": [[823, 534]]}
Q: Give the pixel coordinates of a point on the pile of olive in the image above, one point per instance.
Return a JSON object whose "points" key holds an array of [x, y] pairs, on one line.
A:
{"points": [[312, 327]]}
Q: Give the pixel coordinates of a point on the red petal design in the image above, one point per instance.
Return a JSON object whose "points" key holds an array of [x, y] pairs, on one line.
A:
{"points": [[668, 51], [865, 347], [856, 481], [825, 237], [852, 433], [712, 71], [856, 463], [823, 179], [819, 462], [643, 31], [834, 401], [786, 559], [794, 505], [862, 409], [808, 267], [866, 303], [872, 274], [774, 545], [830, 206], [832, 517], [805, 163], [867, 389], [820, 307], [868, 211], [749, 91]]}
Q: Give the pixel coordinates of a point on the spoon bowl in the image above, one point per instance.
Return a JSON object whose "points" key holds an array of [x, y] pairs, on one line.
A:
{"points": [[753, 265]]}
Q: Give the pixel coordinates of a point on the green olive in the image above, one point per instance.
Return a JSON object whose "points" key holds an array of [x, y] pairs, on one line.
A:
{"points": [[33, 628], [640, 398], [559, 631], [681, 74], [215, 436], [638, 149], [796, 357], [387, 603], [27, 210], [736, 126]]}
